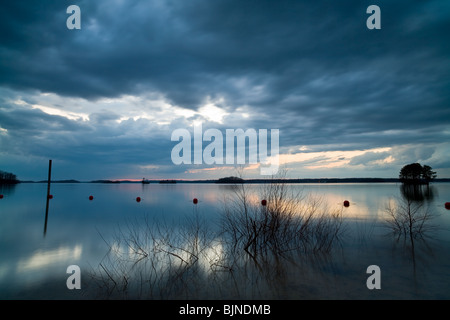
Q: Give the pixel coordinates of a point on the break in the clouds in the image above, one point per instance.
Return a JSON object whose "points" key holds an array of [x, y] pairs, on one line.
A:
{"points": [[103, 101]]}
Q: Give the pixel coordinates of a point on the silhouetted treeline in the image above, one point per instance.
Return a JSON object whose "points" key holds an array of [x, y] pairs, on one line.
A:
{"points": [[239, 181], [8, 178], [60, 181], [325, 180], [230, 180], [105, 181], [415, 173], [322, 180]]}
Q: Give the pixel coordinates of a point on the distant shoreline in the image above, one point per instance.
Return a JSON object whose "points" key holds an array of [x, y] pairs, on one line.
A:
{"points": [[246, 181]]}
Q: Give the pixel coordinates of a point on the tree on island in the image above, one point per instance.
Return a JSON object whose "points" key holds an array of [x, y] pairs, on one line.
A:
{"points": [[415, 173], [230, 180], [8, 178]]}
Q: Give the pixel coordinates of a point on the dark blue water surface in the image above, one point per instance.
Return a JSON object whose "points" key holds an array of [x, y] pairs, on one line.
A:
{"points": [[35, 252]]}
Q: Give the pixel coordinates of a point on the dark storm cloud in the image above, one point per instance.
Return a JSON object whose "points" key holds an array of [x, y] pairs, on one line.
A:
{"points": [[32, 132], [369, 157], [311, 69], [31, 122], [190, 49]]}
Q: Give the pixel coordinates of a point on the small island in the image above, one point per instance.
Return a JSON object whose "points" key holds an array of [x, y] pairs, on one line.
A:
{"points": [[230, 180], [8, 178], [416, 174], [167, 181], [105, 181]]}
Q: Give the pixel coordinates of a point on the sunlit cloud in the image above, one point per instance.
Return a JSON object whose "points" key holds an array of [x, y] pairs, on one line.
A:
{"points": [[62, 113], [149, 167], [213, 169], [213, 113], [326, 159]]}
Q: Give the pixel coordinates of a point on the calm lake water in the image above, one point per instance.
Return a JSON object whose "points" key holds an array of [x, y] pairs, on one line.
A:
{"points": [[34, 255]]}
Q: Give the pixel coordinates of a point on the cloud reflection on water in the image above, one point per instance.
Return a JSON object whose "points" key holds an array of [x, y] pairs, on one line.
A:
{"points": [[45, 258]]}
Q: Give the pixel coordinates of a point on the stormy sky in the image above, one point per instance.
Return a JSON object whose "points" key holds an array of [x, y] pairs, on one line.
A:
{"points": [[102, 101]]}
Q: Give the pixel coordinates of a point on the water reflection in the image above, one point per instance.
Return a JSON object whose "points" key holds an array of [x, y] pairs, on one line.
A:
{"points": [[420, 254], [160, 263], [47, 206], [256, 248], [418, 192], [413, 224], [7, 189], [46, 218], [178, 262], [45, 258]]}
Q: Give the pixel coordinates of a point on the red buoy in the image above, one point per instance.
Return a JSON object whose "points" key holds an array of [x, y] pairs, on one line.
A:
{"points": [[91, 197], [138, 199], [264, 202], [447, 205], [50, 196], [195, 201], [1, 196], [346, 203]]}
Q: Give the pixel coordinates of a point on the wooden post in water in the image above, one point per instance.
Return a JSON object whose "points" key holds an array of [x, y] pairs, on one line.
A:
{"points": [[48, 194]]}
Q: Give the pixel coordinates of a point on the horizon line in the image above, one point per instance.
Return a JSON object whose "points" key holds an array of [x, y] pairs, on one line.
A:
{"points": [[132, 180]]}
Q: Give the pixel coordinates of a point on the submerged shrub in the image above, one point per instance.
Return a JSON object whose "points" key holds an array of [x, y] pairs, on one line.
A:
{"points": [[287, 221], [409, 218]]}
